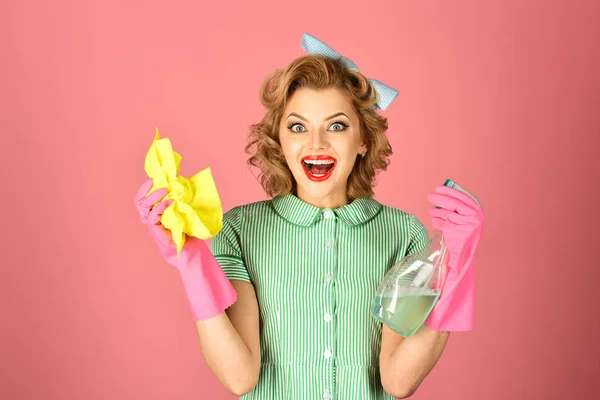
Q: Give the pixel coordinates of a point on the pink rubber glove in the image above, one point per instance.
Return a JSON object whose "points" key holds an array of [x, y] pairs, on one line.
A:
{"points": [[461, 220], [208, 289]]}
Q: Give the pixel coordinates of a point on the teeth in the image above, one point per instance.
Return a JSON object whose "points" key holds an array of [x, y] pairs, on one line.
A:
{"points": [[319, 162]]}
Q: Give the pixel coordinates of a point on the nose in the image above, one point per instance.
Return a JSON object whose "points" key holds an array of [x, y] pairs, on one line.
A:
{"points": [[318, 139]]}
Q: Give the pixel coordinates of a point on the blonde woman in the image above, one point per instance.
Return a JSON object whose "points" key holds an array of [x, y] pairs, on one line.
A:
{"points": [[282, 299]]}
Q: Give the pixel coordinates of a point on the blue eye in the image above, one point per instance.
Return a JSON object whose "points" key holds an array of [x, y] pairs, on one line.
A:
{"points": [[294, 125], [340, 126]]}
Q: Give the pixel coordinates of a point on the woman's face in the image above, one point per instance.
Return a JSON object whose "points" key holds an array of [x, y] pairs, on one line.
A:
{"points": [[320, 138]]}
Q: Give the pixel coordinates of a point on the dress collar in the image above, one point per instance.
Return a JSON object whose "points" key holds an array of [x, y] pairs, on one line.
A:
{"points": [[298, 212]]}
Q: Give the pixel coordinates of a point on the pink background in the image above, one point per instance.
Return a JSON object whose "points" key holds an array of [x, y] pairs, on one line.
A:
{"points": [[502, 97]]}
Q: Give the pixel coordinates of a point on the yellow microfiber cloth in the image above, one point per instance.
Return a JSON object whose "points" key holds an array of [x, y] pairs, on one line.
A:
{"points": [[196, 209]]}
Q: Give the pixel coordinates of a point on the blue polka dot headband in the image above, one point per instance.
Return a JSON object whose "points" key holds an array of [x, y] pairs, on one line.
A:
{"points": [[385, 94]]}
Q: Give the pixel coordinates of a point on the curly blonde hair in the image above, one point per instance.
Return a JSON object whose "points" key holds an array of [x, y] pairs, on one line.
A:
{"points": [[317, 72]]}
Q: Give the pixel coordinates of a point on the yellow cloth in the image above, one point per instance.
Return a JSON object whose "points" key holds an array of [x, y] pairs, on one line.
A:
{"points": [[196, 209]]}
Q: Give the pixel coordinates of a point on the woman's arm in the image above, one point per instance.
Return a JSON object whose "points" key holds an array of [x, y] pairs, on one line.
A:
{"points": [[230, 342], [405, 362]]}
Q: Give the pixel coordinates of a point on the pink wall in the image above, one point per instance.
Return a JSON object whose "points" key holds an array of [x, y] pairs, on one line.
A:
{"points": [[502, 97]]}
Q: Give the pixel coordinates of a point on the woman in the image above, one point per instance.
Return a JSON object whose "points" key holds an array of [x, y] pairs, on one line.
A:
{"points": [[284, 312]]}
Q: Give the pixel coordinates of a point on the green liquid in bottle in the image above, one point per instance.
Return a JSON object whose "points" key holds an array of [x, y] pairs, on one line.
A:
{"points": [[406, 315]]}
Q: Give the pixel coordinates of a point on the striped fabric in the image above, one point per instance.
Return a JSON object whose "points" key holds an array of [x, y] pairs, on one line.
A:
{"points": [[316, 272]]}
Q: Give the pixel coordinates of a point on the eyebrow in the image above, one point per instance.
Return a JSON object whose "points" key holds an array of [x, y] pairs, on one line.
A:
{"points": [[326, 119]]}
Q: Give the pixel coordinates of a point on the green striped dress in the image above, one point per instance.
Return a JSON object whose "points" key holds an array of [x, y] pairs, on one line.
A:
{"points": [[315, 272]]}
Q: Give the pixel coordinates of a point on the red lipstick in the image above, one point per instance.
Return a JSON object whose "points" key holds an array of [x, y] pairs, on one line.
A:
{"points": [[318, 177]]}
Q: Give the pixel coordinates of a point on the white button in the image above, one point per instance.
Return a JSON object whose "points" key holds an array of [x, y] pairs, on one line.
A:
{"points": [[327, 317], [327, 353], [327, 395], [328, 278], [327, 214], [328, 243]]}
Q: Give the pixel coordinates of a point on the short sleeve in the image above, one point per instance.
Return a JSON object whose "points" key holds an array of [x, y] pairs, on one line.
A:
{"points": [[226, 246], [419, 237]]}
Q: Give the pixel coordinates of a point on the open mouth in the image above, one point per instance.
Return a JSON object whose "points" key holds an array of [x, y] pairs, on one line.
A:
{"points": [[318, 168]]}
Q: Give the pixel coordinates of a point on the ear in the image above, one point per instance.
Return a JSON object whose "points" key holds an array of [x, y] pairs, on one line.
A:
{"points": [[362, 149]]}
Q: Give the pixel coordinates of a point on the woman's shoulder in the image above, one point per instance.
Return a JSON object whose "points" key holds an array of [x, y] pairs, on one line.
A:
{"points": [[246, 210], [395, 212], [401, 216], [405, 224]]}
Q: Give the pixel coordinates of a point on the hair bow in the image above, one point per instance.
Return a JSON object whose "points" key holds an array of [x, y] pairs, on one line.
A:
{"points": [[385, 94]]}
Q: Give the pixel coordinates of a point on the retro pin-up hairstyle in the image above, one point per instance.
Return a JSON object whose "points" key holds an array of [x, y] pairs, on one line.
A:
{"points": [[317, 72]]}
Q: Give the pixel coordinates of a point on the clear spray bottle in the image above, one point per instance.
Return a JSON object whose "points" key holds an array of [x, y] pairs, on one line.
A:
{"points": [[411, 288]]}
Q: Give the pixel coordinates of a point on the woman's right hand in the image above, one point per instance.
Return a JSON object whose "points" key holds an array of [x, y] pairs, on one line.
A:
{"points": [[145, 203], [230, 341], [150, 207], [209, 290]]}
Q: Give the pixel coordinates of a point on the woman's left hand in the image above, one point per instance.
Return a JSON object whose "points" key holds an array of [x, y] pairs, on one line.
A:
{"points": [[461, 221]]}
